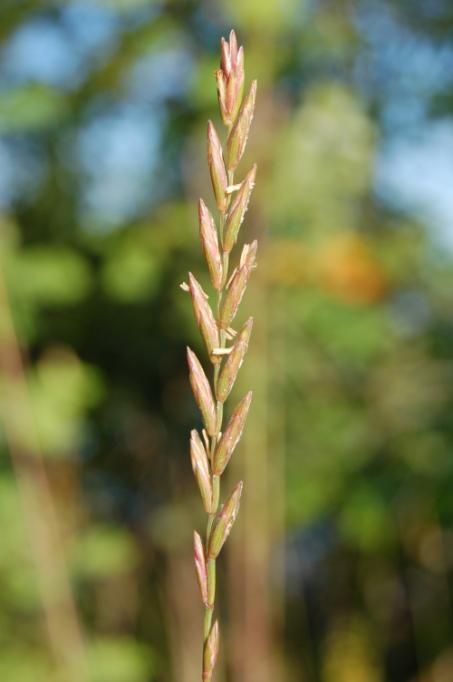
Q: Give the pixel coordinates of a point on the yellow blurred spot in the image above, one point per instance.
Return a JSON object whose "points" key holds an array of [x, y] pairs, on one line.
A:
{"points": [[431, 550], [349, 654], [345, 266], [442, 669], [285, 261]]}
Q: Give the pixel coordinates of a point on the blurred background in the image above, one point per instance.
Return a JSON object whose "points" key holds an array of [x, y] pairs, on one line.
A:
{"points": [[340, 567]]}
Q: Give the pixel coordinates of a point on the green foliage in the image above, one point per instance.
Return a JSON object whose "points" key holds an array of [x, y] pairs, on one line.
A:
{"points": [[269, 16], [62, 388], [365, 520], [17, 572], [102, 552], [352, 336], [30, 108], [119, 660], [319, 173], [20, 664], [49, 275], [130, 272]]}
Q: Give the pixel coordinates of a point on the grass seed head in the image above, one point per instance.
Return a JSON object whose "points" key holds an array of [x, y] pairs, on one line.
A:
{"points": [[211, 455]]}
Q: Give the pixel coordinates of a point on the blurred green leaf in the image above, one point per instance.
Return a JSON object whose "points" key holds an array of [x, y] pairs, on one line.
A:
{"points": [[63, 388], [365, 519], [350, 335], [25, 664], [16, 567], [125, 5], [104, 551], [30, 107], [204, 73], [130, 272], [49, 275], [119, 659], [311, 496], [323, 163], [271, 15]]}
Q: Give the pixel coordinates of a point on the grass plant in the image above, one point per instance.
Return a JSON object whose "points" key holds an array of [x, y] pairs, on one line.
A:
{"points": [[226, 348]]}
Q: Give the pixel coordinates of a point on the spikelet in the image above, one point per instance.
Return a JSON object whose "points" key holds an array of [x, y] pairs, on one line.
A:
{"points": [[200, 566], [204, 317], [237, 286], [238, 137], [238, 210], [217, 168], [224, 522], [231, 436], [230, 79], [211, 652], [210, 244], [200, 467], [202, 392], [233, 363]]}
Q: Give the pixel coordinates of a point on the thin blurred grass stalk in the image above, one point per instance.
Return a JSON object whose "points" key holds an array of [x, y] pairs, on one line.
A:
{"points": [[256, 571], [39, 510], [211, 453]]}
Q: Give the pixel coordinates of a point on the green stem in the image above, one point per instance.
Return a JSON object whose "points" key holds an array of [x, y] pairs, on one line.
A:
{"points": [[215, 505], [211, 567]]}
